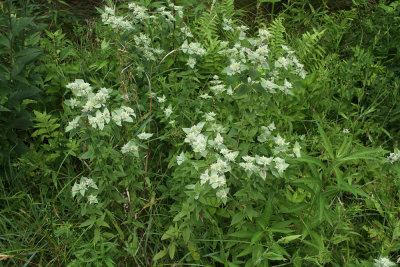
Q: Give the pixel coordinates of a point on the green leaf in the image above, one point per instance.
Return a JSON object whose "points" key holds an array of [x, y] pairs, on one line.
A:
{"points": [[256, 237], [24, 57], [87, 155], [288, 238], [160, 255], [89, 222], [171, 250], [4, 41], [27, 92], [281, 227], [20, 123], [238, 217], [186, 234], [246, 251], [365, 154], [96, 237], [274, 256], [311, 160], [170, 233], [114, 222], [243, 90], [20, 24], [100, 222], [352, 189], [4, 109], [327, 143]]}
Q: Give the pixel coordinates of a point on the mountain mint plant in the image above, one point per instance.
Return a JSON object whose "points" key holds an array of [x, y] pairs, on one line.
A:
{"points": [[212, 101]]}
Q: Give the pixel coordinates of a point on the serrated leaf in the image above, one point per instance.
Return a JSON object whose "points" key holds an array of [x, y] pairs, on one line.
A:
{"points": [[89, 222], [257, 237], [246, 251], [238, 217], [243, 90], [96, 237], [86, 155]]}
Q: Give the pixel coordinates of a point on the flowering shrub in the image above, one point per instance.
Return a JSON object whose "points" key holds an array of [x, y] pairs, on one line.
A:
{"points": [[236, 169]]}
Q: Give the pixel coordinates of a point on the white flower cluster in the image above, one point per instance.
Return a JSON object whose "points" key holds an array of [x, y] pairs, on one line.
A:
{"points": [[177, 9], [266, 132], [186, 31], [180, 158], [144, 136], [210, 116], [271, 87], [167, 111], [235, 67], [292, 61], [140, 15], [143, 45], [281, 145], [257, 56], [214, 175], [216, 178], [217, 87], [84, 185], [167, 15], [93, 103], [229, 154], [192, 48], [109, 18], [123, 114], [139, 12], [383, 262], [394, 157], [196, 139], [242, 32], [130, 147], [191, 62], [227, 25], [73, 124], [100, 119], [258, 164], [79, 88]]}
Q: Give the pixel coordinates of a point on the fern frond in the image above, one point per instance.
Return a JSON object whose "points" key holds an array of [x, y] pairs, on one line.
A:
{"points": [[207, 24], [212, 62], [309, 51], [277, 31], [228, 8]]}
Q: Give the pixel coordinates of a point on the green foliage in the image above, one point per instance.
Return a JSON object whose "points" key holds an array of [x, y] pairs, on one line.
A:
{"points": [[19, 48], [310, 50], [277, 33], [170, 135]]}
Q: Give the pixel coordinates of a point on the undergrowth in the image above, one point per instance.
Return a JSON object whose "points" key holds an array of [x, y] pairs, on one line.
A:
{"points": [[202, 134]]}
